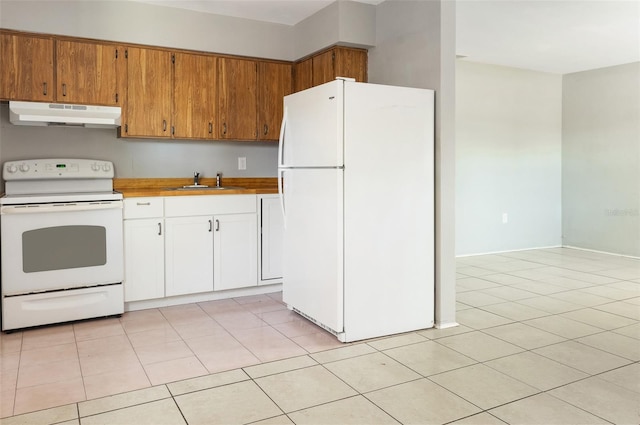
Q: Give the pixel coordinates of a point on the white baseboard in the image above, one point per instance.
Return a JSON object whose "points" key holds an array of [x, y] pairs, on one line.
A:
{"points": [[202, 297], [548, 247], [601, 252], [510, 250], [446, 325]]}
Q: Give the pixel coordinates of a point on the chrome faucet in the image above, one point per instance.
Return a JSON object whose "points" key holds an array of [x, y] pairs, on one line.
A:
{"points": [[218, 179], [196, 178]]}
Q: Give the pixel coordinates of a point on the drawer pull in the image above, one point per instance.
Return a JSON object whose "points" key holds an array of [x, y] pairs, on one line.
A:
{"points": [[143, 203]]}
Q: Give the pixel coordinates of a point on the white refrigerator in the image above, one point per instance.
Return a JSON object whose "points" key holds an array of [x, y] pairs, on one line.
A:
{"points": [[356, 182]]}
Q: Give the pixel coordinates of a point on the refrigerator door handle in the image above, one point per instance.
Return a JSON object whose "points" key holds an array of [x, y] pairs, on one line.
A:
{"points": [[281, 193], [283, 127]]}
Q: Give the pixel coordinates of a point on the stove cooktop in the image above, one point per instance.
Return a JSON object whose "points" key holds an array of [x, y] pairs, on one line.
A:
{"points": [[53, 198], [38, 181]]}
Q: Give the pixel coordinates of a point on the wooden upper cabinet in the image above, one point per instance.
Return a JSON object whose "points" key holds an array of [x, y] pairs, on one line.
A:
{"points": [[274, 83], [86, 73], [337, 62], [351, 63], [194, 96], [303, 75], [323, 67], [149, 89], [237, 100], [26, 68]]}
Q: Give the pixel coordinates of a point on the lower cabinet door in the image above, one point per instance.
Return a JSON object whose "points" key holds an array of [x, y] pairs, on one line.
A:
{"points": [[271, 239], [188, 254], [235, 251], [143, 259]]}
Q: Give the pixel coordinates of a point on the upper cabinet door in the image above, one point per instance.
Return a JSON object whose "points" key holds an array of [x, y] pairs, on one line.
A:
{"points": [[26, 68], [86, 73], [274, 83], [194, 96], [149, 91], [335, 62], [351, 63], [303, 75], [237, 99], [323, 68]]}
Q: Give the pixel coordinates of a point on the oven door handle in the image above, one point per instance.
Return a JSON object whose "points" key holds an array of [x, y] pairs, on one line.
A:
{"points": [[68, 207]]}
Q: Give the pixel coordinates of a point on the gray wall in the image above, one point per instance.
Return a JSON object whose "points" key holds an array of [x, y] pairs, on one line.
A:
{"points": [[344, 22], [415, 47], [508, 158], [601, 159]]}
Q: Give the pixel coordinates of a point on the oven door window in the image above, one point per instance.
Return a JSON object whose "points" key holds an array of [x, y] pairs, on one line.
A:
{"points": [[63, 247]]}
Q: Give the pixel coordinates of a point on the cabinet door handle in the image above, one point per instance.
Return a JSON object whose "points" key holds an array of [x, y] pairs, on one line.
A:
{"points": [[266, 129], [44, 88], [217, 225], [210, 225], [159, 229], [210, 128], [224, 128], [64, 89], [164, 125]]}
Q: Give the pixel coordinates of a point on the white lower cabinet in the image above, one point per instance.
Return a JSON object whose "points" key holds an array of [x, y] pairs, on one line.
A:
{"points": [[189, 244], [235, 251], [211, 243], [189, 255], [143, 249], [144, 259]]}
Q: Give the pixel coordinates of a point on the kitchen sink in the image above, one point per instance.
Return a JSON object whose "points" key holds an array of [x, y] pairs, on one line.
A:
{"points": [[204, 187]]}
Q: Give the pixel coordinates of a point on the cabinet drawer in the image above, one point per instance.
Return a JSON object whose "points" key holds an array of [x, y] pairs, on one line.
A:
{"points": [[182, 206], [143, 207]]}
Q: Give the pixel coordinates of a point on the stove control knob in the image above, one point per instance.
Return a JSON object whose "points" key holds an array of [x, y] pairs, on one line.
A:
{"points": [[11, 168], [95, 166], [24, 167], [106, 167]]}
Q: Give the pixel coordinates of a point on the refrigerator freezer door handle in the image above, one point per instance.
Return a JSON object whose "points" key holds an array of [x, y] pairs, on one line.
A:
{"points": [[283, 126]]}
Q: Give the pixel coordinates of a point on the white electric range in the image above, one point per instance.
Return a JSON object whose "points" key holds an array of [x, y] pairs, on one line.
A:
{"points": [[61, 242]]}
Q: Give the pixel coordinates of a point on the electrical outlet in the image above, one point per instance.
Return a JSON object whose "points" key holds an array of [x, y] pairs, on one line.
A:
{"points": [[505, 218], [242, 163]]}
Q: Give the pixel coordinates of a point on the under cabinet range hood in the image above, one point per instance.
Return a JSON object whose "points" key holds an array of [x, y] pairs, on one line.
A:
{"points": [[45, 114]]}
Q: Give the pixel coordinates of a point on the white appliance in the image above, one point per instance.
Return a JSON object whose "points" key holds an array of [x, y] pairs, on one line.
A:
{"points": [[61, 242], [46, 114], [356, 182]]}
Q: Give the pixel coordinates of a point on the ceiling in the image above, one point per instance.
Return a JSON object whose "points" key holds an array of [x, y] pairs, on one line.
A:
{"points": [[544, 35], [287, 12], [551, 36]]}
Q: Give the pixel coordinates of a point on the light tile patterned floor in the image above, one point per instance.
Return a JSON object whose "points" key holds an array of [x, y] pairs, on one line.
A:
{"points": [[546, 337]]}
